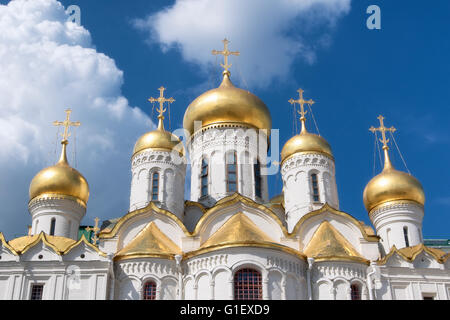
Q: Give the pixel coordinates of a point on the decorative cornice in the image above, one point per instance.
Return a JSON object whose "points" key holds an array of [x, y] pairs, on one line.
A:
{"points": [[252, 244], [55, 196], [307, 153], [393, 204]]}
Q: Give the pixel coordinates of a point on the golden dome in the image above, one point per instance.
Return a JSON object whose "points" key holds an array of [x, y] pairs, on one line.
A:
{"points": [[159, 139], [392, 185], [60, 180], [227, 105], [305, 142]]}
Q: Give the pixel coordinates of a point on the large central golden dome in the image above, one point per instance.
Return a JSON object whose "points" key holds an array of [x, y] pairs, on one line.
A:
{"points": [[60, 180], [227, 105]]}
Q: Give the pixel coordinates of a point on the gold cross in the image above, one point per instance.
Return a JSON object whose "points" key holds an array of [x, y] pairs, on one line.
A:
{"points": [[225, 53], [301, 102], [95, 229], [383, 130], [161, 101], [66, 124]]}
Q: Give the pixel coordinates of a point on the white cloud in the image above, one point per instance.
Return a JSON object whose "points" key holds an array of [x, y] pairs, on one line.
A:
{"points": [[269, 34], [46, 66]]}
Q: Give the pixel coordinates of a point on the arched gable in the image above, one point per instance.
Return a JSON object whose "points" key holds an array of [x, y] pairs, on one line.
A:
{"points": [[348, 226], [260, 215], [132, 223]]}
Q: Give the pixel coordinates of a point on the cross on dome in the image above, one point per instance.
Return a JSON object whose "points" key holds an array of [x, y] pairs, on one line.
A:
{"points": [[161, 108], [383, 131], [225, 52], [161, 101], [384, 140], [301, 101], [66, 124]]}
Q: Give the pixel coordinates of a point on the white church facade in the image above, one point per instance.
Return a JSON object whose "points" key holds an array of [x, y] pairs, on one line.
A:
{"points": [[229, 241]]}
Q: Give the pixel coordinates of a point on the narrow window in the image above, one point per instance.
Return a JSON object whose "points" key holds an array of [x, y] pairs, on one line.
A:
{"points": [[355, 292], [149, 291], [428, 297], [231, 163], [52, 227], [155, 186], [204, 177], [36, 291], [257, 171], [405, 233], [315, 188], [247, 285]]}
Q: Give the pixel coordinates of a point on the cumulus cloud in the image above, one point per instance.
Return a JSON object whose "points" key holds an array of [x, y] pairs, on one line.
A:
{"points": [[269, 34], [46, 66]]}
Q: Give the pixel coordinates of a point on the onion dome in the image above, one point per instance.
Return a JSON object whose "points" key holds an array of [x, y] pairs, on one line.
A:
{"points": [[60, 180], [227, 105], [392, 185], [159, 139], [305, 142]]}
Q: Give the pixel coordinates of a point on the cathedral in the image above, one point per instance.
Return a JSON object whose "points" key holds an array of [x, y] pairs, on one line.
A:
{"points": [[229, 241]]}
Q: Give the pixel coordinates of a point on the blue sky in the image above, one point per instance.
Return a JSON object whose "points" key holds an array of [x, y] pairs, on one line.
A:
{"points": [[354, 74]]}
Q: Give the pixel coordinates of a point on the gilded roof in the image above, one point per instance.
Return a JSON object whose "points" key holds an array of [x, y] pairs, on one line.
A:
{"points": [[58, 244], [329, 244], [239, 228], [149, 242], [410, 253]]}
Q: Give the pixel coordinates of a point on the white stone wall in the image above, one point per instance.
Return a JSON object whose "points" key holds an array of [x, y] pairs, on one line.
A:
{"points": [[409, 281], [172, 172], [210, 276], [390, 219], [66, 212], [213, 144], [332, 280], [132, 275], [297, 186], [67, 277]]}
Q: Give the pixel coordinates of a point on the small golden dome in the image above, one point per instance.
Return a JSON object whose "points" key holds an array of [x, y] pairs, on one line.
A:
{"points": [[305, 142], [159, 139], [392, 185], [60, 180], [227, 105]]}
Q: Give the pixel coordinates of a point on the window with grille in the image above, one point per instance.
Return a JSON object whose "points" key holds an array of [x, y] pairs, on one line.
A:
{"points": [[155, 186], [149, 291], [36, 291], [204, 177], [405, 233], [315, 188], [52, 227], [257, 171], [355, 292], [231, 162], [247, 285]]}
